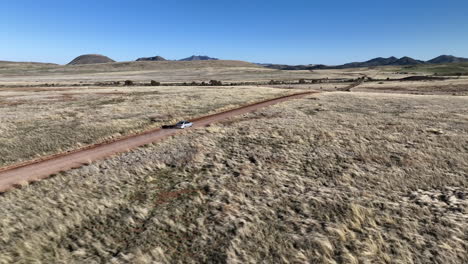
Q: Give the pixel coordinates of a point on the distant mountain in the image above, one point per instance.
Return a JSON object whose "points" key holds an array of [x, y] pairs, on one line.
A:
{"points": [[155, 58], [447, 59], [408, 61], [293, 67], [90, 59], [374, 62], [198, 58], [390, 61]]}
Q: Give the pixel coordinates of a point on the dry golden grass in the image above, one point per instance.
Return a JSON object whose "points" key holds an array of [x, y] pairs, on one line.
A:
{"points": [[45, 121], [341, 178], [454, 86], [163, 71], [170, 71], [15, 68], [447, 87]]}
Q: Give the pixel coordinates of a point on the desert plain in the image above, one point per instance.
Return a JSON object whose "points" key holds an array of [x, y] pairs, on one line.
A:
{"points": [[372, 169]]}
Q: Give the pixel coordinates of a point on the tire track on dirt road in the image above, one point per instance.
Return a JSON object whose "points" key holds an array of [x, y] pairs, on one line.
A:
{"points": [[24, 173]]}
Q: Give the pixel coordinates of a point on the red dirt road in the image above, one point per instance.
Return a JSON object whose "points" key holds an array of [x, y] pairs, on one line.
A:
{"points": [[24, 173]]}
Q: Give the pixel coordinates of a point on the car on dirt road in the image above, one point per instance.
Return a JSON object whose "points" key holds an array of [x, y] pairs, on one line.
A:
{"points": [[183, 124]]}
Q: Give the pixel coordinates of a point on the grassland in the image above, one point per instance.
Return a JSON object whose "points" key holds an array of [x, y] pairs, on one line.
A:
{"points": [[458, 87], [163, 71], [41, 121], [338, 178], [37, 69], [169, 72], [18, 67], [439, 69]]}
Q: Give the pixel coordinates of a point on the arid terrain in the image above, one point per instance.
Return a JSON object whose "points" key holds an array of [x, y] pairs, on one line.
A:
{"points": [[378, 174], [41, 121], [170, 72]]}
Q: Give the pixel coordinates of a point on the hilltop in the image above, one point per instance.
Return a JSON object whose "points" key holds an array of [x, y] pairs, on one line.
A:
{"points": [[155, 58], [90, 59], [198, 58], [447, 59]]}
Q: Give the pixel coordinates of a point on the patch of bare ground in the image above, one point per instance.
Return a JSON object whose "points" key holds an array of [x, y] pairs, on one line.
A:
{"points": [[347, 178]]}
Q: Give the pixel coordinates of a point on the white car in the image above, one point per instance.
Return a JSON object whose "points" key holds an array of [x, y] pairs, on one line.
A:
{"points": [[183, 124]]}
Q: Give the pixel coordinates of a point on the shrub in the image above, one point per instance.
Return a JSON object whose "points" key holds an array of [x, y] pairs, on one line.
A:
{"points": [[155, 83], [128, 83], [216, 83], [302, 81]]}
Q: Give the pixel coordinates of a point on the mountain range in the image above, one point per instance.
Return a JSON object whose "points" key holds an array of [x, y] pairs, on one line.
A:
{"points": [[391, 61], [191, 58]]}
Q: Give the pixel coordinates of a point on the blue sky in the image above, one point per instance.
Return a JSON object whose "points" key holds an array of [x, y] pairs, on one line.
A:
{"points": [[290, 32]]}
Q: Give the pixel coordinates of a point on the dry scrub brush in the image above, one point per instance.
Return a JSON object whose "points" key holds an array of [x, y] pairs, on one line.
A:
{"points": [[60, 119], [347, 178]]}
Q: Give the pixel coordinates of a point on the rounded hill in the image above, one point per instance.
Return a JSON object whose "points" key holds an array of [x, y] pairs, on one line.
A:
{"points": [[90, 59]]}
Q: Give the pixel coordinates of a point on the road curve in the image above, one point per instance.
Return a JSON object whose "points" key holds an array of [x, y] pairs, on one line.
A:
{"points": [[23, 173]]}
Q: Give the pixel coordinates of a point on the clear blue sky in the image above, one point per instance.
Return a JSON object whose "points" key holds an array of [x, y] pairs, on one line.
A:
{"points": [[290, 32]]}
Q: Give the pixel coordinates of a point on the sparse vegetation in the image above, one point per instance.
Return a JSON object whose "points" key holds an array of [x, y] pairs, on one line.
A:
{"points": [[216, 83], [38, 122], [154, 83], [340, 178], [347, 178], [451, 69]]}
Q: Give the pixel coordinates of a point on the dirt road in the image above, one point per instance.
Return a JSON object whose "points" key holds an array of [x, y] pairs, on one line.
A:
{"points": [[24, 173]]}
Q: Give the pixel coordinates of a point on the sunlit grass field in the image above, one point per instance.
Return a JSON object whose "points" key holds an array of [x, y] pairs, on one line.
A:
{"points": [[333, 178], [36, 122]]}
